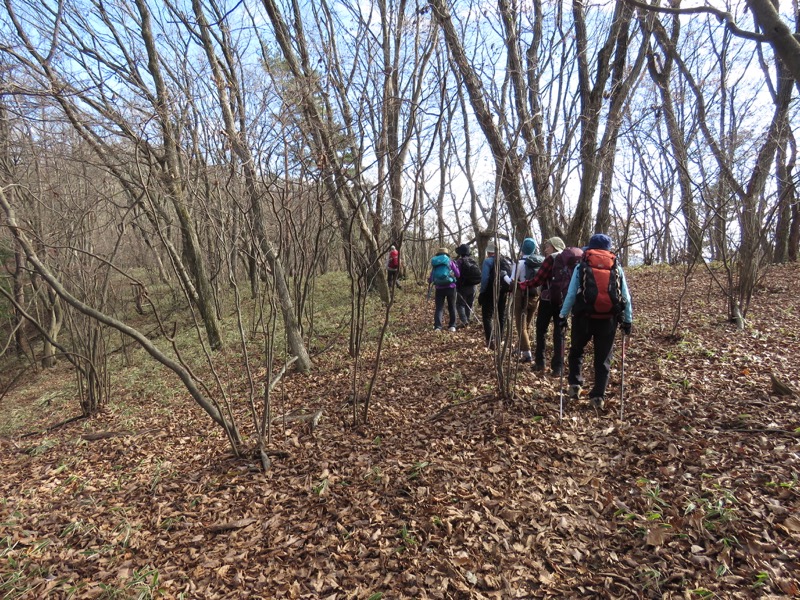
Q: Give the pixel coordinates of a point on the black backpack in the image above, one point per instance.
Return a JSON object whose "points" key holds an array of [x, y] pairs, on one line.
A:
{"points": [[506, 266], [470, 272]]}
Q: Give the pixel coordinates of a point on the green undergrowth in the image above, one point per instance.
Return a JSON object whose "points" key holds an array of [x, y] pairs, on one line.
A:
{"points": [[40, 399]]}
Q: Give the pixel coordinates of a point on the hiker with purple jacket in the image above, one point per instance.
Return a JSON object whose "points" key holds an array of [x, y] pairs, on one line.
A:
{"points": [[444, 274]]}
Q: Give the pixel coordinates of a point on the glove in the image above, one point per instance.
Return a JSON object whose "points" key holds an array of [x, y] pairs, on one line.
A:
{"points": [[626, 328], [507, 279], [561, 323]]}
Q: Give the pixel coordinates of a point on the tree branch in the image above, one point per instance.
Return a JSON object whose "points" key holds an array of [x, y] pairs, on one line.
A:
{"points": [[721, 15]]}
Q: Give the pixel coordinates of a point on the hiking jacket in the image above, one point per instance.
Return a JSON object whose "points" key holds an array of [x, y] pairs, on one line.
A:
{"points": [[456, 274], [486, 273], [575, 283]]}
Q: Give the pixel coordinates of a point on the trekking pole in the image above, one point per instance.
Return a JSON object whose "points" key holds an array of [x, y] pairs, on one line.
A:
{"points": [[622, 380], [563, 333], [428, 297]]}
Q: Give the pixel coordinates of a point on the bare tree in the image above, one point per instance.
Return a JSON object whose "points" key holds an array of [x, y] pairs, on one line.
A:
{"points": [[230, 97]]}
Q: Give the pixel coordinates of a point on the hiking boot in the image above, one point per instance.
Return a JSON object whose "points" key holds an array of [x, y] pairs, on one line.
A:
{"points": [[437, 328], [555, 372], [574, 391], [538, 367], [525, 358], [598, 403], [490, 345], [452, 329]]}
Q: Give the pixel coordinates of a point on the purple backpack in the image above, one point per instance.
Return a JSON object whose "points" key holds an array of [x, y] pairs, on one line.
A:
{"points": [[563, 266]]}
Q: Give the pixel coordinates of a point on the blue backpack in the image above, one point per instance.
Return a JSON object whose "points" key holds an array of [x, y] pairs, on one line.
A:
{"points": [[441, 274]]}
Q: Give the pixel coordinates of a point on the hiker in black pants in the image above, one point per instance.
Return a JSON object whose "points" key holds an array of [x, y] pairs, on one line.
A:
{"points": [[465, 286], [486, 296], [444, 274], [599, 299], [548, 308]]}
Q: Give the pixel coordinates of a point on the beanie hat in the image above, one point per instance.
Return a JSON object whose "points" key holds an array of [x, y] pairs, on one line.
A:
{"points": [[463, 250], [392, 247], [491, 248], [599, 241], [557, 243], [443, 251], [528, 246]]}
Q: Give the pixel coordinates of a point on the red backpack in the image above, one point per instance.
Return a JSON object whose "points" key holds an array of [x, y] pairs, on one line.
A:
{"points": [[599, 294], [394, 259]]}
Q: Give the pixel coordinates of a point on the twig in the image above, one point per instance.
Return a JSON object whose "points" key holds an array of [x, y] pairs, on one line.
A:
{"points": [[230, 526], [450, 406], [52, 427], [761, 430]]}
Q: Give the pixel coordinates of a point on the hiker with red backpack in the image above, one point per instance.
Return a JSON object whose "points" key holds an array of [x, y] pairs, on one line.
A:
{"points": [[469, 277], [444, 274], [393, 267], [553, 281], [599, 300]]}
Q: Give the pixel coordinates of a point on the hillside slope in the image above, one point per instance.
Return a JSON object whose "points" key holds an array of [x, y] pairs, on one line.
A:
{"points": [[447, 492]]}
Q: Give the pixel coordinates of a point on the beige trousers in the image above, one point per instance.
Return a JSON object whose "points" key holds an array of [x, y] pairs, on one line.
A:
{"points": [[525, 305]]}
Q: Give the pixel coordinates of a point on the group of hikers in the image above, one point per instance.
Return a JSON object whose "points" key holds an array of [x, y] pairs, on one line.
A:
{"points": [[587, 283]]}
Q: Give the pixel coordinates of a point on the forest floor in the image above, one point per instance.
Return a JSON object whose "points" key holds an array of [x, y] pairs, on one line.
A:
{"points": [[447, 492]]}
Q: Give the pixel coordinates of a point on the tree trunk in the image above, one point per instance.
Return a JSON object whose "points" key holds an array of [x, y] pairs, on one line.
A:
{"points": [[507, 164], [591, 96], [172, 177], [225, 82]]}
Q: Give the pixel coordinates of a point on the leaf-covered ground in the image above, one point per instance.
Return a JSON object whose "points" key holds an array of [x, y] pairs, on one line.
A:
{"points": [[447, 493]]}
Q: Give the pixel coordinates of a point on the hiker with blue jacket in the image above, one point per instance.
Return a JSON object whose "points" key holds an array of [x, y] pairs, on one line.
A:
{"points": [[488, 299], [599, 300], [444, 274]]}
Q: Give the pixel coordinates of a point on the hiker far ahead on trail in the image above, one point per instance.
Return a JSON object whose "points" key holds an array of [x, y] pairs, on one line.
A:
{"points": [[599, 300], [393, 267]]}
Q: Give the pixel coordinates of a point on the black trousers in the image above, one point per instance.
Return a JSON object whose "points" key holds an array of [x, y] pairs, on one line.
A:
{"points": [[548, 312], [443, 294], [603, 332], [487, 314]]}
